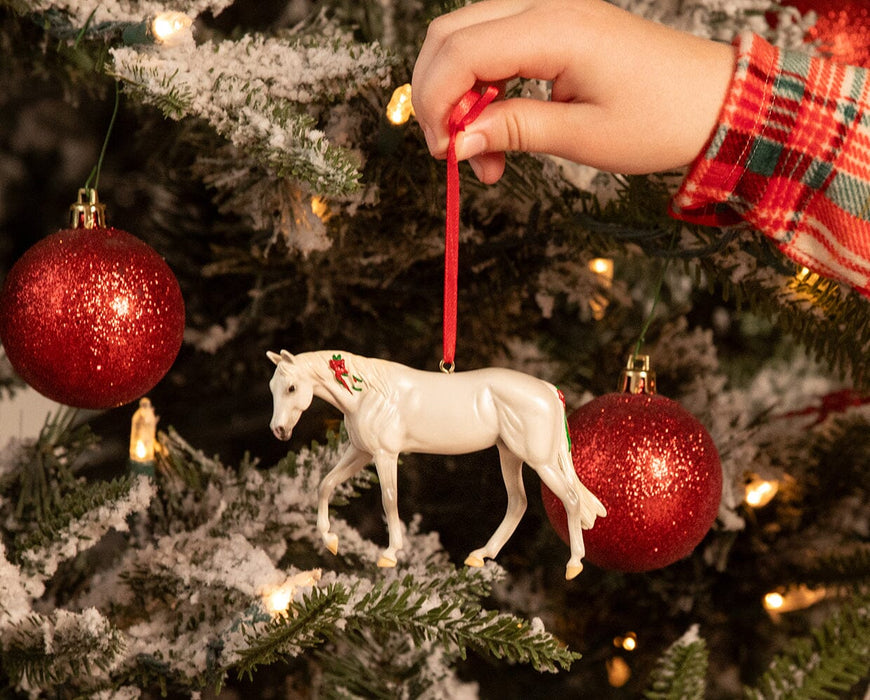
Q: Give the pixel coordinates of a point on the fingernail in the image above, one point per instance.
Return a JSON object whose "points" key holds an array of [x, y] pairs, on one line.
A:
{"points": [[470, 144], [477, 167]]}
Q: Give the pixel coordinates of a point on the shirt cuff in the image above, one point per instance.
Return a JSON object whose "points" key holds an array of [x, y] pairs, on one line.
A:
{"points": [[790, 156]]}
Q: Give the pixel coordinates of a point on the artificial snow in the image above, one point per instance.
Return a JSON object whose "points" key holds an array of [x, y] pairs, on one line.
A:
{"points": [[84, 533], [14, 597], [83, 12], [256, 92]]}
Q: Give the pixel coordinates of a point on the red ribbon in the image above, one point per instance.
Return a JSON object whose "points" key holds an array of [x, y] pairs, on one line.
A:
{"points": [[464, 113]]}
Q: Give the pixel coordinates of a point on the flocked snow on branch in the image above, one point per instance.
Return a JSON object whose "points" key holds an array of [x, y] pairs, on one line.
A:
{"points": [[223, 571], [82, 12], [265, 107]]}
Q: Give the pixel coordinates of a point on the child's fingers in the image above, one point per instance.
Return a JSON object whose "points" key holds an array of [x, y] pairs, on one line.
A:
{"points": [[493, 50]]}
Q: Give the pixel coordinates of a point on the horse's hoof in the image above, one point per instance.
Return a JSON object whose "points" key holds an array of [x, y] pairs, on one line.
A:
{"points": [[386, 562], [572, 571], [473, 560], [330, 539]]}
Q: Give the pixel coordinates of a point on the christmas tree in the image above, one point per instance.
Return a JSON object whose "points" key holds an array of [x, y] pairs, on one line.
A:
{"points": [[253, 147]]}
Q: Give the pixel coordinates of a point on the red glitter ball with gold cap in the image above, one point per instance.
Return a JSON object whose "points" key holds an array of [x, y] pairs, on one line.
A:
{"points": [[656, 470], [842, 28], [91, 317]]}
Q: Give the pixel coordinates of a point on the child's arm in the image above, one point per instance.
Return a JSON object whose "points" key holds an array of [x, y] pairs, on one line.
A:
{"points": [[784, 139], [628, 95]]}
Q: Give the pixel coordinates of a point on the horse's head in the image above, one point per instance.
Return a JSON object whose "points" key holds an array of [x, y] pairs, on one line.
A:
{"points": [[292, 393]]}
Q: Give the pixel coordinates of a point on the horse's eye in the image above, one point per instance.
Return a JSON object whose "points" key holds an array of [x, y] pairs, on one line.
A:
{"points": [[291, 389]]}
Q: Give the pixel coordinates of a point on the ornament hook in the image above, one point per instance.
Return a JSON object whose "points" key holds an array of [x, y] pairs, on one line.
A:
{"points": [[88, 211], [637, 377]]}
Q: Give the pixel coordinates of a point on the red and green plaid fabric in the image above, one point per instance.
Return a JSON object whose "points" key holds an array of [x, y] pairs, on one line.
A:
{"points": [[790, 156]]}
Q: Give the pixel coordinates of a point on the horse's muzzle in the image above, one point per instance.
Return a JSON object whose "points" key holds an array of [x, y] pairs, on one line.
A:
{"points": [[281, 432]]}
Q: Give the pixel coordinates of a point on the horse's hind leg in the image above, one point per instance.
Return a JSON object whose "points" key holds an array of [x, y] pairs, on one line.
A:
{"points": [[512, 473], [571, 498], [387, 465], [349, 464]]}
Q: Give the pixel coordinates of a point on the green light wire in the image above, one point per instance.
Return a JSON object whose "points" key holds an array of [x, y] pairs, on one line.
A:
{"points": [[84, 29], [658, 294], [95, 173]]}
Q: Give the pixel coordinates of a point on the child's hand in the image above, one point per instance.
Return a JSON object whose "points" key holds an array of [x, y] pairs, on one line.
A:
{"points": [[628, 95]]}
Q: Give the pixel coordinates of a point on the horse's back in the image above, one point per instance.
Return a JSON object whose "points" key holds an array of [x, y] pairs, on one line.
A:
{"points": [[468, 411]]}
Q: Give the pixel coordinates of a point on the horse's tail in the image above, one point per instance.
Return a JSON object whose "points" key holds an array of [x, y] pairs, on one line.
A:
{"points": [[590, 506]]}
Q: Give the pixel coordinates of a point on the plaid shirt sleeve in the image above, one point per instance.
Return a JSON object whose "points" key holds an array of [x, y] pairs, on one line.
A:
{"points": [[790, 156]]}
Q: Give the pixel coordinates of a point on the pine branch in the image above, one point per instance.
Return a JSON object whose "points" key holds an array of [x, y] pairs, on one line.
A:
{"points": [[427, 611], [386, 665], [46, 470], [52, 650], [422, 611], [832, 322], [266, 106], [826, 665], [309, 624], [849, 566], [79, 520], [680, 672]]}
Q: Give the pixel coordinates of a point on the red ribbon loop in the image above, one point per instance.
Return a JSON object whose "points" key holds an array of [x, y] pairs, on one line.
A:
{"points": [[464, 113]]}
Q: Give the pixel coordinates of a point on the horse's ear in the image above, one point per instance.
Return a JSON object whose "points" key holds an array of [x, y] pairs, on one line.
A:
{"points": [[286, 356], [274, 356]]}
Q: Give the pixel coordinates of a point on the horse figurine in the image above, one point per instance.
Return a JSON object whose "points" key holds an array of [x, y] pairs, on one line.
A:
{"points": [[390, 408]]}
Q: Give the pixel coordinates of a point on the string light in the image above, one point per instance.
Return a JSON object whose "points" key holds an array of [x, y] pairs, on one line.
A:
{"points": [[277, 599], [169, 27], [603, 267], [143, 438], [807, 276], [618, 671], [400, 109], [627, 642], [760, 492], [791, 599], [319, 209]]}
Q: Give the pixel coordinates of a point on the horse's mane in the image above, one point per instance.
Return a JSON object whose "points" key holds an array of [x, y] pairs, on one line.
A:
{"points": [[370, 370]]}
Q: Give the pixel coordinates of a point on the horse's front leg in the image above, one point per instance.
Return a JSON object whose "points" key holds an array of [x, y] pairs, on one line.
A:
{"points": [[512, 473], [387, 466], [349, 464]]}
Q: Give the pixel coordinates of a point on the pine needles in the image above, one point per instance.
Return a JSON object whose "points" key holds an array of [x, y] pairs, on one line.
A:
{"points": [[681, 671], [825, 665]]}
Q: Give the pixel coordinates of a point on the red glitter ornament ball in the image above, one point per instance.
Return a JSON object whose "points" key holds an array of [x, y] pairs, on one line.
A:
{"points": [[657, 472], [91, 317], [842, 28]]}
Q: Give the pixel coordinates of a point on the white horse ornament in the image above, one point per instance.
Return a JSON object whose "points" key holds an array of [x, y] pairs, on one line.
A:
{"points": [[390, 408]]}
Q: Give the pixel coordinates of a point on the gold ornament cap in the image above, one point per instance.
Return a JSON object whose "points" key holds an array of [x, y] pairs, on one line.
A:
{"points": [[87, 212], [637, 377]]}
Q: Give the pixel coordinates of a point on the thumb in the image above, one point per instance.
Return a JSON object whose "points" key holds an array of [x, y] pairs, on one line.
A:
{"points": [[520, 124]]}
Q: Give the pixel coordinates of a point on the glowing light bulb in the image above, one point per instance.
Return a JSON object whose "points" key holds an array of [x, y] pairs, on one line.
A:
{"points": [[794, 598], [760, 492], [618, 671], [773, 601], [628, 642], [278, 599], [603, 267], [143, 432], [319, 208], [400, 109], [168, 27]]}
